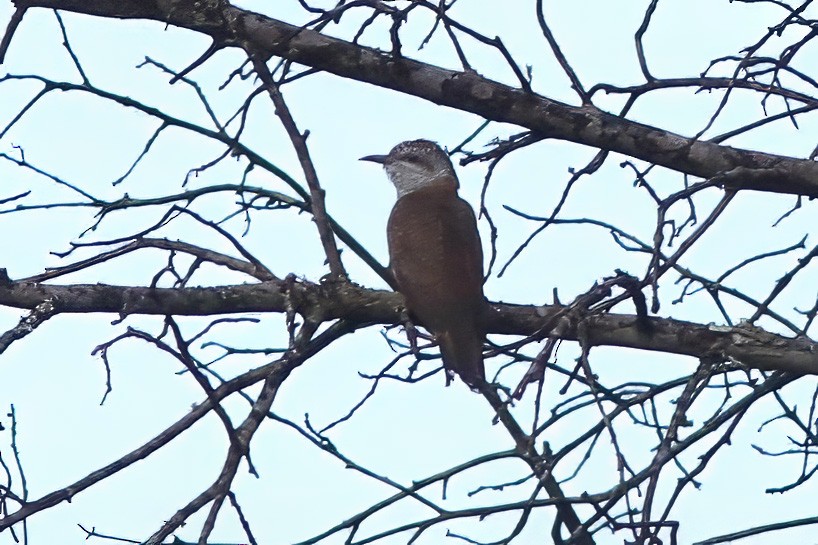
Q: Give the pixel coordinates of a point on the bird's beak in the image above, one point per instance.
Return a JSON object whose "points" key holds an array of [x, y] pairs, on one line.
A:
{"points": [[380, 159]]}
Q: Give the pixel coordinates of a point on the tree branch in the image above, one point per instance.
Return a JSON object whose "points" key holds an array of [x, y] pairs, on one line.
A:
{"points": [[743, 344], [231, 26]]}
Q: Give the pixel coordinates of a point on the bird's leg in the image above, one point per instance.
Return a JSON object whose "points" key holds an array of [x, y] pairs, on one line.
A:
{"points": [[411, 331]]}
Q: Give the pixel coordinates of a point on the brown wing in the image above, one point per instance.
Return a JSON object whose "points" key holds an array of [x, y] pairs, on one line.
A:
{"points": [[437, 260]]}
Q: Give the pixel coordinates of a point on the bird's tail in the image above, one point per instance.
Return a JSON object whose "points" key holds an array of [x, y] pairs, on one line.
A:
{"points": [[462, 352]]}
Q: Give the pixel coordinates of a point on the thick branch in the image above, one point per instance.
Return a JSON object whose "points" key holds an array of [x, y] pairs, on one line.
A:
{"points": [[466, 91], [743, 344]]}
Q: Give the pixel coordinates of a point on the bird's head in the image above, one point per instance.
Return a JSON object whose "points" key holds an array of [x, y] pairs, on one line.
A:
{"points": [[415, 164]]}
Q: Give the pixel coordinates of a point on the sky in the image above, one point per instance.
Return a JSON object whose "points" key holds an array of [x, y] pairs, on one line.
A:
{"points": [[407, 431]]}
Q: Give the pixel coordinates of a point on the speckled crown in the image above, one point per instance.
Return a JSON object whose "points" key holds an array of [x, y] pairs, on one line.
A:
{"points": [[416, 146], [421, 148]]}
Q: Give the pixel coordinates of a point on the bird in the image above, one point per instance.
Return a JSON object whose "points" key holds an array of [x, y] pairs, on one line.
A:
{"points": [[435, 255]]}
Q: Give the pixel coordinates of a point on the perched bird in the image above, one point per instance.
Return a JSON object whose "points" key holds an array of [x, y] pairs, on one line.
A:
{"points": [[436, 256]]}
